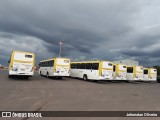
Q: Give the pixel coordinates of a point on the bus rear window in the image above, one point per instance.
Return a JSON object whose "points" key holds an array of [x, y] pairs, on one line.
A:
{"points": [[145, 72], [66, 61], [124, 66], [28, 56], [109, 64]]}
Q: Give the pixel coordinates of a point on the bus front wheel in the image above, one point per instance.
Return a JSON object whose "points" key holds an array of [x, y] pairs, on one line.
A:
{"points": [[47, 75], [40, 73], [9, 76], [85, 77], [158, 81]]}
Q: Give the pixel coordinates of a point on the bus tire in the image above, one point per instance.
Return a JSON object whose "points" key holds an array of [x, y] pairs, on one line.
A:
{"points": [[27, 77], [158, 81], [40, 73], [60, 78], [85, 77], [9, 76], [47, 75]]}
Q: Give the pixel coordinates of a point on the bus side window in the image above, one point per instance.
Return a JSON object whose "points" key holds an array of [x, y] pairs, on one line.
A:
{"points": [[114, 68], [45, 64], [73, 66], [40, 64], [88, 66], [83, 66], [78, 66], [95, 66]]}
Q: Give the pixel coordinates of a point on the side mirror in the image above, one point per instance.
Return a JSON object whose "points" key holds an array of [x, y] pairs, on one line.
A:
{"points": [[8, 61]]}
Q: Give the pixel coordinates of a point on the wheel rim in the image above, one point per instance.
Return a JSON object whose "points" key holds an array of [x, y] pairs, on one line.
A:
{"points": [[47, 75]]}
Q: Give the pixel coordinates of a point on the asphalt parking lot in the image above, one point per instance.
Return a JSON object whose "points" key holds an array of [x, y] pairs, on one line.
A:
{"points": [[68, 94]]}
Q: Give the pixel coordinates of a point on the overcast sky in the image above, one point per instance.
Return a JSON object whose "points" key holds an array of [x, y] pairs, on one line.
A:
{"points": [[103, 29]]}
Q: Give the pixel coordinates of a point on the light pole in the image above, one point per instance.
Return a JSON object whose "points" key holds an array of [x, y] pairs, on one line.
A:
{"points": [[60, 48]]}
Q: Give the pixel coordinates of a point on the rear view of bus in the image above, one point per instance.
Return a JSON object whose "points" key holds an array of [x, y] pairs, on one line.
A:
{"points": [[119, 72], [107, 70], [58, 67], [21, 64], [138, 73], [62, 67], [152, 74], [135, 73]]}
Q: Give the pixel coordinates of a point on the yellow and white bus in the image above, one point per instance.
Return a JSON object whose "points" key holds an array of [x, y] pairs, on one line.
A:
{"points": [[58, 67], [119, 72], [92, 70], [21, 64], [134, 73]]}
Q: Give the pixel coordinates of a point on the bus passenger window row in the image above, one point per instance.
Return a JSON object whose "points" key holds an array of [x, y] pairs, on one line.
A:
{"points": [[47, 64], [91, 66]]}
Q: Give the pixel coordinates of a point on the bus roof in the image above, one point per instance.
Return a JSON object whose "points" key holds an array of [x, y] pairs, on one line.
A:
{"points": [[146, 68], [53, 59], [120, 64], [133, 66], [22, 52], [96, 61]]}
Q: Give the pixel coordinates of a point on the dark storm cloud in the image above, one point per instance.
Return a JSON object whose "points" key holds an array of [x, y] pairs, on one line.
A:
{"points": [[89, 27]]}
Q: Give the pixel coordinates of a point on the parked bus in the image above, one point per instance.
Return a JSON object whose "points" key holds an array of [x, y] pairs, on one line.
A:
{"points": [[55, 67], [92, 70], [119, 72], [21, 64], [134, 73]]}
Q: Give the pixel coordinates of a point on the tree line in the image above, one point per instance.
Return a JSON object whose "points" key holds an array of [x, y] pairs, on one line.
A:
{"points": [[158, 69]]}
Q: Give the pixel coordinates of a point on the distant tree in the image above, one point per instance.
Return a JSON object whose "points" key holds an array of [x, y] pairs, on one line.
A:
{"points": [[158, 69]]}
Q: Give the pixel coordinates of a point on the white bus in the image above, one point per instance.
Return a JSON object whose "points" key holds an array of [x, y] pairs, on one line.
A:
{"points": [[134, 73], [21, 64], [92, 70], [58, 67], [119, 72]]}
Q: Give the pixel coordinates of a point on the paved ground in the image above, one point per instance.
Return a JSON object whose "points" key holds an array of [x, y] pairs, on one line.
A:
{"points": [[76, 95]]}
